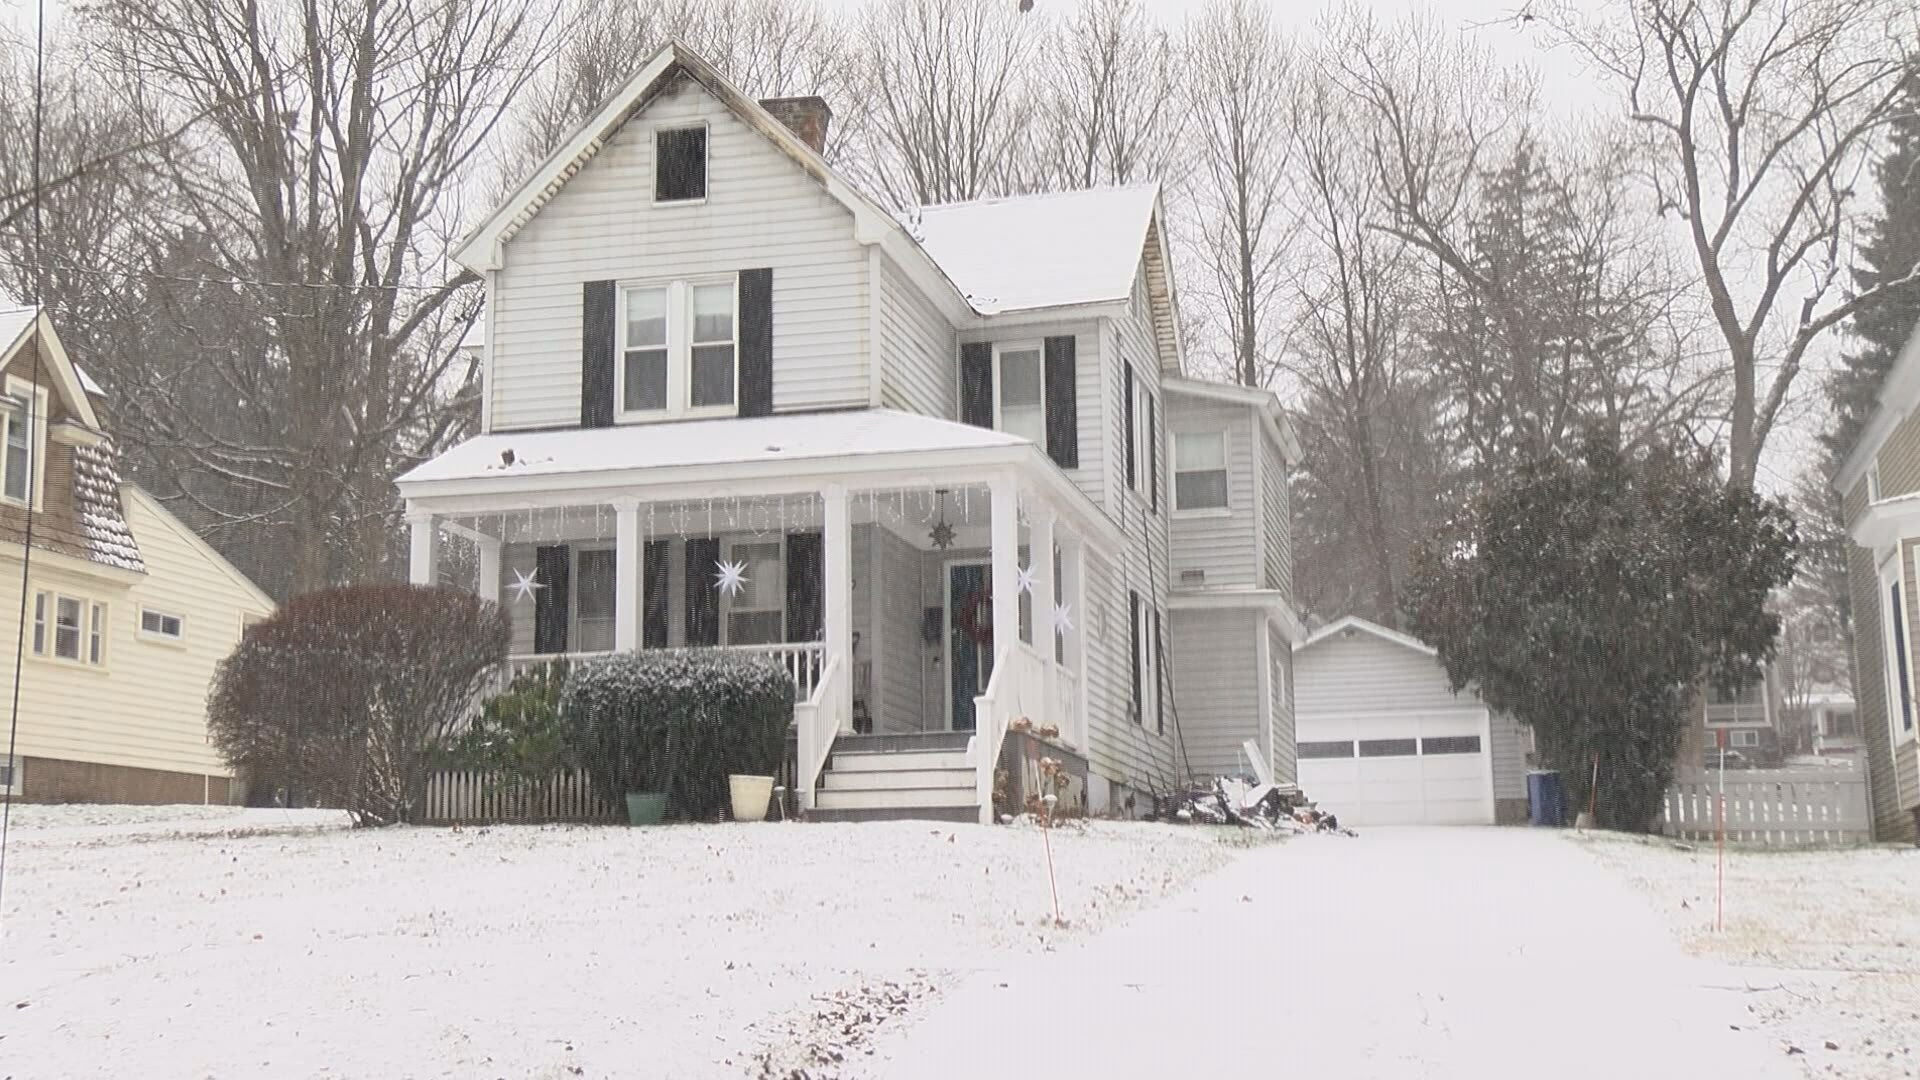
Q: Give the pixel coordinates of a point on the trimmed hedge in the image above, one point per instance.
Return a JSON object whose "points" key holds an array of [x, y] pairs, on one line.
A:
{"points": [[678, 721]]}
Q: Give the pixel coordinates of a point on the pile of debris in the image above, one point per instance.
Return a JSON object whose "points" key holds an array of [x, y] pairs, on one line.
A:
{"points": [[1233, 801]]}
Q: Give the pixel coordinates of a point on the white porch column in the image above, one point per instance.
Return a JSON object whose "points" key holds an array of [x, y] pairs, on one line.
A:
{"points": [[421, 549], [1073, 575], [836, 587], [1040, 566], [626, 575], [1006, 561], [489, 584]]}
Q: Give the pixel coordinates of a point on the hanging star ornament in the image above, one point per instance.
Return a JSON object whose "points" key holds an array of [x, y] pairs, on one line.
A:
{"points": [[525, 583], [1063, 618], [730, 577], [1023, 578], [942, 535]]}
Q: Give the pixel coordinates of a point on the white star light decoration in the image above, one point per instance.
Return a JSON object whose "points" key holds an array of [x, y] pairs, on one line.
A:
{"points": [[525, 582], [1023, 577], [1063, 618], [730, 577]]}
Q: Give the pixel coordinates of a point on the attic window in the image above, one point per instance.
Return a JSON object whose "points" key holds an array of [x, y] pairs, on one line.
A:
{"points": [[680, 164]]}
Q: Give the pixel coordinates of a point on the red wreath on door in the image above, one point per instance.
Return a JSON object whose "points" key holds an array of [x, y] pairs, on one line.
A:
{"points": [[975, 617]]}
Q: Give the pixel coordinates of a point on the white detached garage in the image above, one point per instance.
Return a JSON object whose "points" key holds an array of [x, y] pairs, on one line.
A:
{"points": [[1384, 741]]}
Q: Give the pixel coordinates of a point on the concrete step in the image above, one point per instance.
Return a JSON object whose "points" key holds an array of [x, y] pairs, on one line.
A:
{"points": [[875, 779], [896, 760], [966, 814], [910, 740], [870, 798]]}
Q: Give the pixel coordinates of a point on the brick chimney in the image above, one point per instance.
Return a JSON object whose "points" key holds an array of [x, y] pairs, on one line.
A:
{"points": [[806, 117]]}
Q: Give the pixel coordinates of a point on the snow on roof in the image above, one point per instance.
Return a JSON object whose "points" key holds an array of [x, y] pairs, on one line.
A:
{"points": [[13, 323], [476, 335], [87, 383], [796, 437], [1040, 251], [1355, 622]]}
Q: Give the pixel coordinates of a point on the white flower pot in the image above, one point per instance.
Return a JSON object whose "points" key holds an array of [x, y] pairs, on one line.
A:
{"points": [[751, 794]]}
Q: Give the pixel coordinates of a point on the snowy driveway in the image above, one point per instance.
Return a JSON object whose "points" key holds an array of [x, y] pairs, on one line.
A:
{"points": [[1438, 953]]}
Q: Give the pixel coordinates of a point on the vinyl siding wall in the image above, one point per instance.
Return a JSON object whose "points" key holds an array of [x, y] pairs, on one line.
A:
{"points": [[146, 707], [1509, 757], [1280, 686], [761, 210], [1899, 458], [920, 362], [1893, 770], [1276, 505], [1216, 686], [1220, 546]]}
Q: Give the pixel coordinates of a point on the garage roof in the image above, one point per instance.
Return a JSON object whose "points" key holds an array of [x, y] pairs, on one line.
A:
{"points": [[1351, 623]]}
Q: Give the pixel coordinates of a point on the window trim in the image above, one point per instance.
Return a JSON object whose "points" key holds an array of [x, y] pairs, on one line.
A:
{"points": [[96, 625], [706, 163], [1143, 432], [680, 346], [1899, 698], [1873, 482], [1038, 347], [1225, 471], [141, 612], [575, 628], [727, 545], [13, 771], [37, 399]]}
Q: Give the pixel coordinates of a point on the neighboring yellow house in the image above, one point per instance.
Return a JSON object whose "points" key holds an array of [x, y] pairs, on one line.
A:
{"points": [[1879, 487], [127, 611]]}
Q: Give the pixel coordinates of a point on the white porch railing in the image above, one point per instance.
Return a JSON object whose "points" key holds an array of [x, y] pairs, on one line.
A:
{"points": [[1066, 707], [816, 722], [804, 660], [1018, 688]]}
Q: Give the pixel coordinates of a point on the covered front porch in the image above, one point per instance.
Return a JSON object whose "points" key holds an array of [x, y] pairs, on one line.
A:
{"points": [[879, 578]]}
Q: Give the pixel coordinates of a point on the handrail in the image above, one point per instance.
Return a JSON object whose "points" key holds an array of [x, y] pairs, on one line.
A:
{"points": [[816, 721], [1016, 688]]}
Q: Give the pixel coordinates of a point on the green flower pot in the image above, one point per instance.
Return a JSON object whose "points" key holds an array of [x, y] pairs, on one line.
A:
{"points": [[646, 808]]}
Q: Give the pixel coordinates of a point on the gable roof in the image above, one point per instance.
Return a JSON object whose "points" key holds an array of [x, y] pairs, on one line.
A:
{"points": [[1899, 392], [1273, 419], [19, 327], [1040, 251], [1341, 627], [149, 502]]}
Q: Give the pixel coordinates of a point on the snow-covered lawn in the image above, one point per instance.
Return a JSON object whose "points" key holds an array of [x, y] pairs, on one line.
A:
{"points": [[238, 943], [1828, 940]]}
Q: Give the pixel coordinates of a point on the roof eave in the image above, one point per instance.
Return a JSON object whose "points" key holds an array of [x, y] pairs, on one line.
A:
{"points": [[1354, 622]]}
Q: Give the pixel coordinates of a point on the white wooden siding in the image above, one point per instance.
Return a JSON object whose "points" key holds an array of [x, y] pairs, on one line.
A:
{"points": [[900, 651], [1216, 681], [761, 210], [1286, 756], [1277, 534], [1221, 546], [1509, 757], [1362, 673], [919, 356]]}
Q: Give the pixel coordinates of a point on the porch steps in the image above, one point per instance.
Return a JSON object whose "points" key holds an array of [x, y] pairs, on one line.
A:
{"points": [[897, 777]]}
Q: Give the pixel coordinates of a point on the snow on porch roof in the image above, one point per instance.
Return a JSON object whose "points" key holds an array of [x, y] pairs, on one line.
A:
{"points": [[1040, 251], [730, 441]]}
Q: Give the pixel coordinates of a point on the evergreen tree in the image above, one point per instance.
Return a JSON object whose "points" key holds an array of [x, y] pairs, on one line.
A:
{"points": [[1891, 251]]}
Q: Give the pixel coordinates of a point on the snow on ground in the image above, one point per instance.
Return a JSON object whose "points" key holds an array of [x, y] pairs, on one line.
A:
{"points": [[1829, 942], [270, 943]]}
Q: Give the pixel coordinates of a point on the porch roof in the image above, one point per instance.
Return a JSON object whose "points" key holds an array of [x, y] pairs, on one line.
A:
{"points": [[736, 456]]}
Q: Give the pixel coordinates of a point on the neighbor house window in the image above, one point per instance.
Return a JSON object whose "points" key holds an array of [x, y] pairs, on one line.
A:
{"points": [[69, 628], [1746, 737], [18, 411], [678, 349], [160, 624], [1840, 724], [10, 776], [1021, 385], [680, 164], [756, 615], [1199, 470], [1900, 719]]}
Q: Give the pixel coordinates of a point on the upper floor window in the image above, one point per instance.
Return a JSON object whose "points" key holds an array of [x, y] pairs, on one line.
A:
{"points": [[163, 625], [680, 164], [19, 411], [1142, 434], [1022, 399], [69, 628], [678, 349], [1199, 471]]}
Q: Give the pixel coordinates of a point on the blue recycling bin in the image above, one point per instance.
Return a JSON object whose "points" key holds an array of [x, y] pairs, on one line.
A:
{"points": [[1547, 798]]}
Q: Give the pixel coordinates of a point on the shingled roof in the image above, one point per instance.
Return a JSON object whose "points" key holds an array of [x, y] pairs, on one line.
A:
{"points": [[96, 502]]}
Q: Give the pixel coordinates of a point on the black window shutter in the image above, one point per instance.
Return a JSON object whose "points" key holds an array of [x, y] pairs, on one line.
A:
{"points": [[1159, 674], [553, 566], [1133, 631], [1063, 409], [806, 568], [976, 384], [596, 354], [1153, 457], [1126, 378], [653, 631], [703, 600], [756, 342]]}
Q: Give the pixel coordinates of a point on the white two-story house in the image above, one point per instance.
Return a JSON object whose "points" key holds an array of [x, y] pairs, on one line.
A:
{"points": [[948, 469]]}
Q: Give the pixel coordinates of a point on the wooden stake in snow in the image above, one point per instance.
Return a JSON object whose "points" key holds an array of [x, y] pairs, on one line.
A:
{"points": [[1720, 840], [1046, 827], [1593, 793]]}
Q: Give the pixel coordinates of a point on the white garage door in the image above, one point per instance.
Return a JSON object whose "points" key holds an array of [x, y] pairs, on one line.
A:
{"points": [[1431, 769]]}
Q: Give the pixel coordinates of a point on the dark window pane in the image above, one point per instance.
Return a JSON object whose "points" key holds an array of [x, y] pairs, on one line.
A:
{"points": [[1341, 749], [1388, 747], [1200, 490], [1451, 744], [712, 375], [680, 167], [646, 379]]}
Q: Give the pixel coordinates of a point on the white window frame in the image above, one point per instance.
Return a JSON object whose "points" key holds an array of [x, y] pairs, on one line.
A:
{"points": [[1743, 738], [36, 399], [727, 547], [1889, 576], [679, 351], [1039, 350], [576, 627], [1149, 718], [1226, 472], [706, 164], [1873, 482], [96, 624], [1143, 455], [10, 779], [176, 638]]}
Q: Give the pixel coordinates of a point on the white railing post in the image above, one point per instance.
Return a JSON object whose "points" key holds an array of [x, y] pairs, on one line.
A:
{"points": [[1040, 568], [626, 575], [837, 590], [489, 571], [421, 549]]}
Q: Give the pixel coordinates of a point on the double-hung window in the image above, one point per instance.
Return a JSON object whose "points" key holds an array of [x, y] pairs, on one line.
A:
{"points": [[69, 628], [1020, 382], [1894, 638], [679, 352], [20, 411], [1199, 471], [756, 613]]}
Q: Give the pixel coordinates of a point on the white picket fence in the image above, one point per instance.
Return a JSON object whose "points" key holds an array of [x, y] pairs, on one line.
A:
{"points": [[1772, 807], [481, 798]]}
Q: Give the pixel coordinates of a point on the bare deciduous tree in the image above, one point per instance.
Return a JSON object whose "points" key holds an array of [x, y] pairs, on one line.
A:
{"points": [[1758, 117], [1112, 112]]}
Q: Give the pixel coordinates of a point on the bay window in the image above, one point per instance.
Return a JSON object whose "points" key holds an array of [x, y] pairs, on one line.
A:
{"points": [[1199, 471], [679, 349]]}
